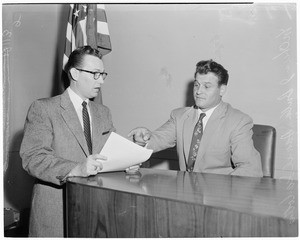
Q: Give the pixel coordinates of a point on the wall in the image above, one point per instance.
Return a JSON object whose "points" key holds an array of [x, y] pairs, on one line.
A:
{"points": [[155, 49]]}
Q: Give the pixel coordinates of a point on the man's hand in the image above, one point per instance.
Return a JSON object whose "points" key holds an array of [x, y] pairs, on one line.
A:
{"points": [[133, 169], [91, 166], [140, 135]]}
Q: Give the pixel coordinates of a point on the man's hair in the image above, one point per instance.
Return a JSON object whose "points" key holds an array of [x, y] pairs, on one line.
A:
{"points": [[77, 56], [207, 66]]}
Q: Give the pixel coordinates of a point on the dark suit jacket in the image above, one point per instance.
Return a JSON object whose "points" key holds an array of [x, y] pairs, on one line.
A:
{"points": [[52, 146], [226, 141]]}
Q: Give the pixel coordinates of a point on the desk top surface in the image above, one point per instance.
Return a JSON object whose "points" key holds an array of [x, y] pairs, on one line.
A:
{"points": [[262, 196]]}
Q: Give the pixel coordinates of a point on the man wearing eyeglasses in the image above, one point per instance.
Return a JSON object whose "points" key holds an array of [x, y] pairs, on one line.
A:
{"points": [[63, 137]]}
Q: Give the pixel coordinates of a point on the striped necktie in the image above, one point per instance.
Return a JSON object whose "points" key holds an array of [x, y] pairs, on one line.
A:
{"points": [[197, 135], [86, 126]]}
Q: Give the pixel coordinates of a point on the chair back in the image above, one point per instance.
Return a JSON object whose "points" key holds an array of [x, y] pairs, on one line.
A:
{"points": [[264, 139]]}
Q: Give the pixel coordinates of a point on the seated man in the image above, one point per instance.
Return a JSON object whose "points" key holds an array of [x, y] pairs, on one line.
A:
{"points": [[210, 136]]}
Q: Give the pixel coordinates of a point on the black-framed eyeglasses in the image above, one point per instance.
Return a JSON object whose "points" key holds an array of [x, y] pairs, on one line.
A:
{"points": [[96, 74]]}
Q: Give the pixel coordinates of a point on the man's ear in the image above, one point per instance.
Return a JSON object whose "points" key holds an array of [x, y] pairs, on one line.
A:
{"points": [[74, 74], [223, 89]]}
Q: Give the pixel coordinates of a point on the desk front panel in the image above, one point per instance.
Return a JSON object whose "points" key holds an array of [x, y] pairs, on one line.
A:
{"points": [[161, 203]]}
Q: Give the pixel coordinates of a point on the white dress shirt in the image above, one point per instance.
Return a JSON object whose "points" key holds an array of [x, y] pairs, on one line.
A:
{"points": [[208, 113], [77, 102]]}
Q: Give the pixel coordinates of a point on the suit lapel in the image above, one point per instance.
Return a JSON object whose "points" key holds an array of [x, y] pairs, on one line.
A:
{"points": [[209, 130], [188, 129], [69, 114]]}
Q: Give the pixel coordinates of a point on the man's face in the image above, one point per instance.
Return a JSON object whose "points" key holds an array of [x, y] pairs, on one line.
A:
{"points": [[84, 83], [207, 93]]}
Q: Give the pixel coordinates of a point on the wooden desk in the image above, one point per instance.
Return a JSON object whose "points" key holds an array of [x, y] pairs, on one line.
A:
{"points": [[161, 203]]}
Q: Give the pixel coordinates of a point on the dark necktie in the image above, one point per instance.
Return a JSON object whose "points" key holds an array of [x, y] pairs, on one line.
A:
{"points": [[197, 135], [86, 126]]}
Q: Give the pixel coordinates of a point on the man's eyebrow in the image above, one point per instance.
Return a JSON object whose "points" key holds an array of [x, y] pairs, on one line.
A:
{"points": [[204, 83]]}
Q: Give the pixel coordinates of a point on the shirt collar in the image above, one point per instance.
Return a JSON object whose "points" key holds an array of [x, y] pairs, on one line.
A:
{"points": [[75, 99], [209, 112]]}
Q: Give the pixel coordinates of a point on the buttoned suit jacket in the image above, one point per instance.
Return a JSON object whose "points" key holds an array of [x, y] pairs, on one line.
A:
{"points": [[53, 144], [226, 146]]}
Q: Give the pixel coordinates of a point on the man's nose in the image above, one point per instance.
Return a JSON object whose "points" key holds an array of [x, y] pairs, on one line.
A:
{"points": [[100, 80], [200, 89]]}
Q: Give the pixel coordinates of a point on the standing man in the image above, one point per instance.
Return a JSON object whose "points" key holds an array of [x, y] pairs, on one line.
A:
{"points": [[63, 137], [210, 136]]}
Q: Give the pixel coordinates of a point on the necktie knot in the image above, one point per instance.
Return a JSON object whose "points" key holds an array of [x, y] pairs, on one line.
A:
{"points": [[84, 103], [202, 115]]}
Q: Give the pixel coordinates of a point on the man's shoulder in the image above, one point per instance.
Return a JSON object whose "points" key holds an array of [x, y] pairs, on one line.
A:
{"points": [[235, 113], [181, 111], [47, 101]]}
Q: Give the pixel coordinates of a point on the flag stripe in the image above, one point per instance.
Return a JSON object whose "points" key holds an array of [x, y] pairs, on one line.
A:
{"points": [[68, 49], [101, 6], [102, 28], [101, 15], [81, 32], [65, 59], [69, 32], [105, 40]]}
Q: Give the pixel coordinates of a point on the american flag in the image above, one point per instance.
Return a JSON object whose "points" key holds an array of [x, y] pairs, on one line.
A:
{"points": [[87, 25]]}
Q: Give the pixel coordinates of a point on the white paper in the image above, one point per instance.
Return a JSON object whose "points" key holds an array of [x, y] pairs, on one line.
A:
{"points": [[122, 153]]}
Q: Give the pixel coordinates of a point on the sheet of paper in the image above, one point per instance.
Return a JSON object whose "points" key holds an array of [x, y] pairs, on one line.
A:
{"points": [[121, 153]]}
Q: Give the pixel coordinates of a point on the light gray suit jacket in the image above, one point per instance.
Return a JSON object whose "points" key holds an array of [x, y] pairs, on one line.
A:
{"points": [[226, 146], [52, 146]]}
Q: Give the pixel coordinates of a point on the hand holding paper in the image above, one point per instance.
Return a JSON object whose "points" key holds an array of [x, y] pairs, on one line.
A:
{"points": [[122, 153]]}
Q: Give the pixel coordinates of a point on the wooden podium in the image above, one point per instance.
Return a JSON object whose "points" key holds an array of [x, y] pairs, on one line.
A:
{"points": [[162, 203]]}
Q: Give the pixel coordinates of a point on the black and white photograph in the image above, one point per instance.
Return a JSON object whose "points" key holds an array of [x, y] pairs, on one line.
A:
{"points": [[150, 119]]}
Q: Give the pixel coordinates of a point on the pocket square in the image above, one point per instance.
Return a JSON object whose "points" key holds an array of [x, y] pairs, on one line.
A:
{"points": [[105, 132]]}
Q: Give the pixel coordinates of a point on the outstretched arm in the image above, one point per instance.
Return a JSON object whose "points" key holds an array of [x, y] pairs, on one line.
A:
{"points": [[140, 135]]}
